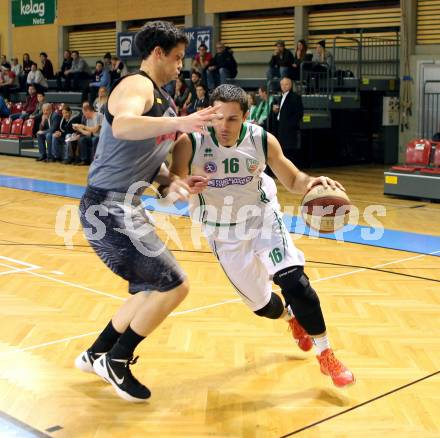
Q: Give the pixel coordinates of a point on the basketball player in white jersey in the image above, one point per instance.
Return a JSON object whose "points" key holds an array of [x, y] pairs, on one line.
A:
{"points": [[240, 216]]}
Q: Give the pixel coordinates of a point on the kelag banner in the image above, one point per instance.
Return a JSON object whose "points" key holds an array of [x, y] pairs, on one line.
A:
{"points": [[33, 12]]}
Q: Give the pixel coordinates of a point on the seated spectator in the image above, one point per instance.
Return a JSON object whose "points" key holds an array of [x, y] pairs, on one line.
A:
{"points": [[201, 100], [322, 58], [202, 58], [29, 105], [117, 69], [4, 108], [46, 66], [66, 65], [78, 72], [299, 57], [89, 134], [27, 66], [196, 79], [101, 100], [263, 108], [222, 66], [8, 83], [107, 61], [201, 61], [50, 122], [281, 62], [181, 95], [252, 104], [16, 68], [4, 64], [102, 79], [36, 78], [61, 150], [38, 113]]}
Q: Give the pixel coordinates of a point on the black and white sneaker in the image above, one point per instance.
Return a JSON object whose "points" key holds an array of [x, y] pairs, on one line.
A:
{"points": [[118, 373], [85, 361]]}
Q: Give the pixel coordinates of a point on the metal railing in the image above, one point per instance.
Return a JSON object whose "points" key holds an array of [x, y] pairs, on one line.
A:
{"points": [[430, 109], [347, 57], [315, 79], [380, 57]]}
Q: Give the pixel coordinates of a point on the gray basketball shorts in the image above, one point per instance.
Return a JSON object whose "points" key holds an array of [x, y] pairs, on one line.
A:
{"points": [[123, 236]]}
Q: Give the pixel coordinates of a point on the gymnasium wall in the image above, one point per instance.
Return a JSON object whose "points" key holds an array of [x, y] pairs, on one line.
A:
{"points": [[4, 24], [36, 39], [78, 12], [212, 6]]}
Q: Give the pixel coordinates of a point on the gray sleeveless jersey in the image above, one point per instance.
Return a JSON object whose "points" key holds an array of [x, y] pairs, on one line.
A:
{"points": [[120, 163]]}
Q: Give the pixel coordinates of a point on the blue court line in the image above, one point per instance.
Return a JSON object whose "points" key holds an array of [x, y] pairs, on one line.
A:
{"points": [[390, 239]]}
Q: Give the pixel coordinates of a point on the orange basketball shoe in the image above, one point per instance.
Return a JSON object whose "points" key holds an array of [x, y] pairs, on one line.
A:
{"points": [[301, 337], [333, 367]]}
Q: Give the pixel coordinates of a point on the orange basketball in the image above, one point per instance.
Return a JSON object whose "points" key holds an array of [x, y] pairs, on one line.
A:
{"points": [[325, 209]]}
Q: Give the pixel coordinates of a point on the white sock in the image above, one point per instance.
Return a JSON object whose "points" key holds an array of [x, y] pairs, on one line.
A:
{"points": [[321, 344], [289, 314]]}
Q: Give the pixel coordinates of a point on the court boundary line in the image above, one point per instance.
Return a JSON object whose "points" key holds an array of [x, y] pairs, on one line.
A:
{"points": [[359, 405], [22, 425], [195, 309]]}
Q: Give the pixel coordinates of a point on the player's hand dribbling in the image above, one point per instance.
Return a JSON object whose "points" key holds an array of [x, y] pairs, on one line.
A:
{"points": [[324, 181], [200, 120]]}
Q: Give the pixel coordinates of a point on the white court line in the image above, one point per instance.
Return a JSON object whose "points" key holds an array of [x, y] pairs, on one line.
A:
{"points": [[14, 270], [375, 267], [208, 306], [196, 309], [79, 286], [58, 341], [29, 265]]}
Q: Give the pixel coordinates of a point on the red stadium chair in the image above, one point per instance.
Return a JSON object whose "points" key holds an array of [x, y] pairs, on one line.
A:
{"points": [[28, 128], [16, 108], [5, 128], [417, 156], [16, 128], [435, 170]]}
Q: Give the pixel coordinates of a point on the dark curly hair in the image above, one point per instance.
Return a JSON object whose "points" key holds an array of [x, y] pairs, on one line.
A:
{"points": [[230, 93], [158, 33]]}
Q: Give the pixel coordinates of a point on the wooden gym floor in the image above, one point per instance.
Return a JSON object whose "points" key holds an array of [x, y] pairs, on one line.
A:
{"points": [[213, 367]]}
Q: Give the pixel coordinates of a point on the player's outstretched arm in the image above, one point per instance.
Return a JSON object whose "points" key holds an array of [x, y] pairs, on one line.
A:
{"points": [[133, 97], [288, 174]]}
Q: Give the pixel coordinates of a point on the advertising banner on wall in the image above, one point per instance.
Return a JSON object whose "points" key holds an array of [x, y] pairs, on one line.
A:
{"points": [[196, 36], [33, 12]]}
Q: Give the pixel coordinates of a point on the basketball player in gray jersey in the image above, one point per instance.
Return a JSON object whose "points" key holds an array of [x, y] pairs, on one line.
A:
{"points": [[139, 127]]}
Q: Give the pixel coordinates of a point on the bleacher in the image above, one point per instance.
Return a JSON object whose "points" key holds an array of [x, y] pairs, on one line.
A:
{"points": [[16, 136], [419, 176]]}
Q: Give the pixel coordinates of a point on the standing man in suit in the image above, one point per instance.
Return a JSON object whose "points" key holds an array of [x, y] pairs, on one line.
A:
{"points": [[289, 114], [50, 123]]}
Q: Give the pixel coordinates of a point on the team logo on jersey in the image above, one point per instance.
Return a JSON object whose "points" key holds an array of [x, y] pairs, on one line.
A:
{"points": [[252, 165], [210, 167], [208, 153]]}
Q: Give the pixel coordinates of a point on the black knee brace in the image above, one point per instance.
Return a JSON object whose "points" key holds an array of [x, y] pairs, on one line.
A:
{"points": [[302, 298], [273, 309]]}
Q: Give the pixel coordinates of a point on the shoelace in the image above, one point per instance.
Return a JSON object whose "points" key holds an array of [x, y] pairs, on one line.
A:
{"points": [[333, 363], [131, 361]]}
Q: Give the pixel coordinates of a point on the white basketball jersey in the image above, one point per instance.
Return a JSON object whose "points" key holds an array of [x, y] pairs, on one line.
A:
{"points": [[237, 183]]}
